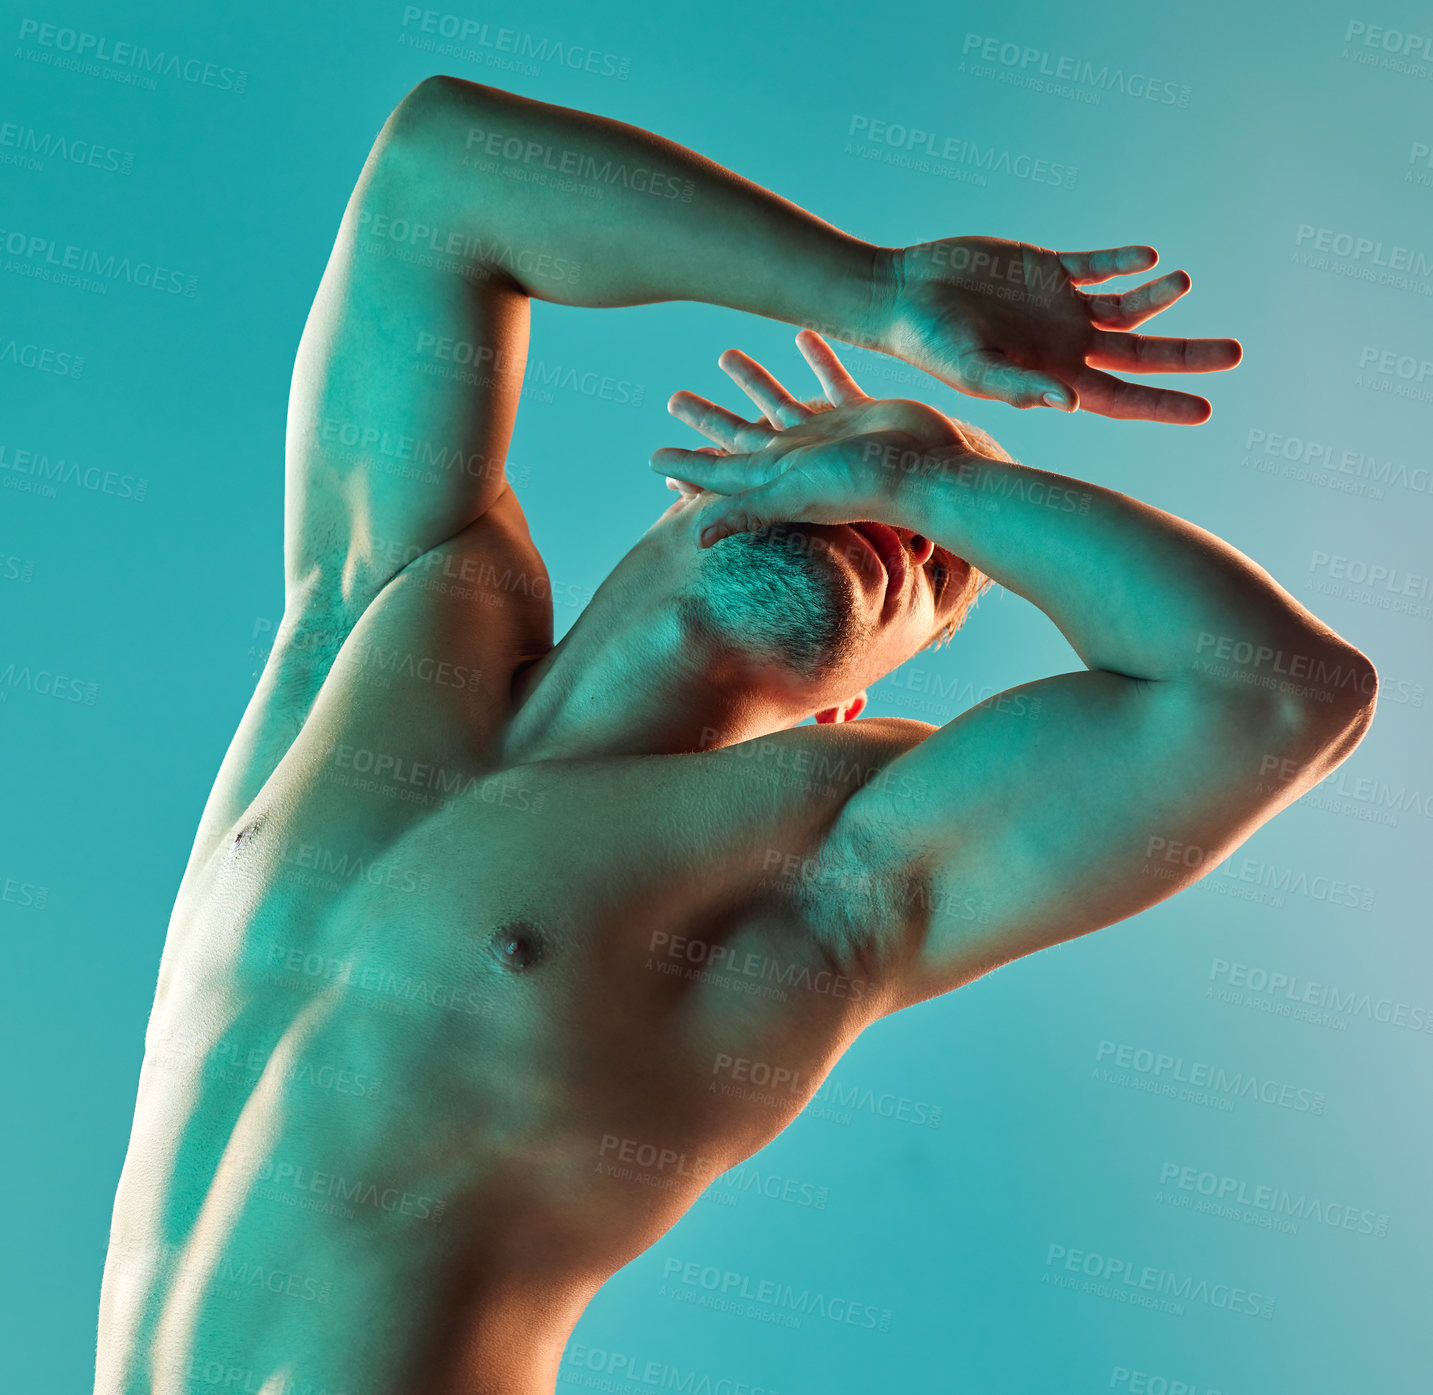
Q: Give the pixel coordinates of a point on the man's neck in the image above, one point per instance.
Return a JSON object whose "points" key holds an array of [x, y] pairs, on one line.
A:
{"points": [[651, 689]]}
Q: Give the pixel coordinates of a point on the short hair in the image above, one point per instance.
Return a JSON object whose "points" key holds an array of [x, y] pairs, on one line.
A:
{"points": [[976, 582]]}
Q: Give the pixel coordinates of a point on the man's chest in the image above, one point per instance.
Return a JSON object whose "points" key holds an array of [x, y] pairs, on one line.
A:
{"points": [[531, 960], [391, 831], [584, 897]]}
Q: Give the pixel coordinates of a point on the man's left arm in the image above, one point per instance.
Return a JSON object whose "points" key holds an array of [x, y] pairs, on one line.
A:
{"points": [[1211, 700]]}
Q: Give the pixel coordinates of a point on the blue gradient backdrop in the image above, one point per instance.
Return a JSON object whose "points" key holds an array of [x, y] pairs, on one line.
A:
{"points": [[1050, 1226]]}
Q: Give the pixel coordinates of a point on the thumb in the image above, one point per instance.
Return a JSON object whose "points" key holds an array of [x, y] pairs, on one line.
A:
{"points": [[993, 375]]}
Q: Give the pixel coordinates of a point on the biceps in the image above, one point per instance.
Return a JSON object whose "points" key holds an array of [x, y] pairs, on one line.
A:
{"points": [[403, 397], [1066, 805]]}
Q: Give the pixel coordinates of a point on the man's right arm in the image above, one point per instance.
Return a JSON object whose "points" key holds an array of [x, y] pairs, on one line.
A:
{"points": [[404, 393], [473, 200], [408, 375]]}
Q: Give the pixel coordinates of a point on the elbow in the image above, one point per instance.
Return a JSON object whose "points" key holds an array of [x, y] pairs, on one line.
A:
{"points": [[439, 104], [439, 98], [1348, 686], [421, 108], [413, 153], [1289, 724], [1331, 709], [438, 90], [1359, 716], [1367, 681]]}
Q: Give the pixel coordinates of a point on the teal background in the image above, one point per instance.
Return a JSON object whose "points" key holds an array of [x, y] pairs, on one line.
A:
{"points": [[161, 605]]}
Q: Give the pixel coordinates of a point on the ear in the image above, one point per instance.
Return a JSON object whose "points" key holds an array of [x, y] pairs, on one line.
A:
{"points": [[847, 713]]}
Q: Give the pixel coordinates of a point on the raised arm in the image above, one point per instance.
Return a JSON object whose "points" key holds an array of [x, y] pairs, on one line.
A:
{"points": [[1070, 803], [583, 210], [1081, 799], [650, 220], [410, 368], [473, 199]]}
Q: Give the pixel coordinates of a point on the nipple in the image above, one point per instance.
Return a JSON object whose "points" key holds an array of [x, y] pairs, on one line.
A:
{"points": [[517, 946]]}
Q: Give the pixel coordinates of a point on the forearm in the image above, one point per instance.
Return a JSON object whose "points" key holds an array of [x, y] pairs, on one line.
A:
{"points": [[582, 210], [1134, 589]]}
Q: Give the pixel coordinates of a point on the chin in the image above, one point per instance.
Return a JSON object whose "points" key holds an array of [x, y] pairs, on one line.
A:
{"points": [[786, 608]]}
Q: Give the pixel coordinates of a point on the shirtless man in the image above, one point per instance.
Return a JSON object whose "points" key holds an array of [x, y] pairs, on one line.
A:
{"points": [[428, 975]]}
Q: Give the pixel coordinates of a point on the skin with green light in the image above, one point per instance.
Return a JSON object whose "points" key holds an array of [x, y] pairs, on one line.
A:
{"points": [[428, 1059]]}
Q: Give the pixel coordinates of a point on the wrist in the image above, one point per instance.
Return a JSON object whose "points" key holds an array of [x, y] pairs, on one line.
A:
{"points": [[877, 331], [937, 489], [912, 476], [854, 298]]}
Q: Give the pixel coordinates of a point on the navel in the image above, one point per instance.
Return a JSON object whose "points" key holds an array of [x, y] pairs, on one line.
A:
{"points": [[517, 946]]}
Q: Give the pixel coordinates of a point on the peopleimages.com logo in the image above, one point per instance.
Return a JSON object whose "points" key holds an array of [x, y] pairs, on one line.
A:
{"points": [[122, 59]]}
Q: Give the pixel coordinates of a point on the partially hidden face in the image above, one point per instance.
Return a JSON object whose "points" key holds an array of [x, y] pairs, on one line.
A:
{"points": [[839, 605]]}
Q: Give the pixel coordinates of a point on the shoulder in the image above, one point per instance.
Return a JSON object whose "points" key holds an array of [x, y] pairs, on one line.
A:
{"points": [[472, 601], [905, 730]]}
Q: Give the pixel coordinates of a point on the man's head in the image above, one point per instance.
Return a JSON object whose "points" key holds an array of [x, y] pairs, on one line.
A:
{"points": [[799, 617]]}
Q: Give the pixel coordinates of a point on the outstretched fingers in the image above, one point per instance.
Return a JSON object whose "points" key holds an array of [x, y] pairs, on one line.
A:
{"points": [[839, 386], [721, 427], [722, 474], [1085, 267], [778, 406], [1131, 308], [1108, 396], [1148, 353]]}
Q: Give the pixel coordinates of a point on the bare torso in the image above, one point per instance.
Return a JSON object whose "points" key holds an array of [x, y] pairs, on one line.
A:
{"points": [[459, 1010], [445, 1035]]}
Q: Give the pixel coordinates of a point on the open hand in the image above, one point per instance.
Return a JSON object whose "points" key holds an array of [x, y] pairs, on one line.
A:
{"points": [[1006, 320], [796, 465]]}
